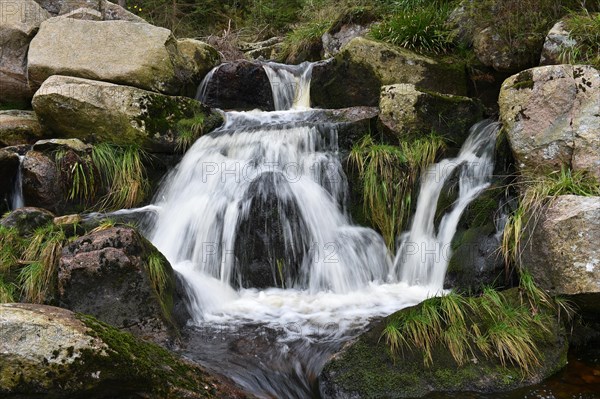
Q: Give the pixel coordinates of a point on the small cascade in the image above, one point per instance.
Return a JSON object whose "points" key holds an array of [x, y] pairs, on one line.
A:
{"points": [[203, 87], [290, 84], [424, 251], [17, 200]]}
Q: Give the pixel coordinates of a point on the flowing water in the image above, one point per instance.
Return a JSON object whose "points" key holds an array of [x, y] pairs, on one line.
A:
{"points": [[261, 203], [17, 200]]}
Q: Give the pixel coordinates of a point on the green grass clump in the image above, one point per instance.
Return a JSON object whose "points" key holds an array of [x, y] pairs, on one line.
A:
{"points": [[39, 277], [188, 131], [7, 291], [161, 282], [584, 28], [123, 174], [418, 26], [388, 175], [303, 39], [537, 193], [11, 247], [492, 326], [78, 175]]}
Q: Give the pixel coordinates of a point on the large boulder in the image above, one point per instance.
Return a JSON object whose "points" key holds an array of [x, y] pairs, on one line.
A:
{"points": [[404, 110], [494, 51], [200, 59], [240, 85], [96, 111], [139, 54], [26, 220], [53, 353], [119, 277], [19, 22], [19, 127], [42, 185], [356, 74], [551, 116], [558, 42], [562, 252], [365, 367]]}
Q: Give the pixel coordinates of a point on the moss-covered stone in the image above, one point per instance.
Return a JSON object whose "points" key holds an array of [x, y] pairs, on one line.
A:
{"points": [[104, 112], [356, 74], [365, 368], [54, 353]]}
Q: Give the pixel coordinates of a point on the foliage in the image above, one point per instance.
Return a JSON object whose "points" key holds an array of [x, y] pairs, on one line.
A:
{"points": [[417, 25], [188, 131], [584, 28], [491, 326], [11, 247], [78, 174], [123, 174], [303, 39], [38, 278], [388, 175], [159, 278], [7, 291], [537, 193]]}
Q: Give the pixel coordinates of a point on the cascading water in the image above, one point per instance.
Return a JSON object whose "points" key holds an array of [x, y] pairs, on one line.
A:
{"points": [[260, 203], [424, 253], [17, 200], [203, 87]]}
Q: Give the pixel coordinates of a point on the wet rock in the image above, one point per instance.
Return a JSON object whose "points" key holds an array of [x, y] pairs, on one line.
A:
{"points": [[364, 368], [239, 85], [42, 186], [356, 74], [54, 353], [557, 42], [95, 111], [19, 127], [563, 254], [140, 54], [26, 220], [406, 110], [113, 274], [551, 116], [19, 23]]}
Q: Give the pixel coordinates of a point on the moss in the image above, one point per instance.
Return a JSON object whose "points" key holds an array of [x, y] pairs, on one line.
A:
{"points": [[524, 80], [156, 369], [366, 369]]}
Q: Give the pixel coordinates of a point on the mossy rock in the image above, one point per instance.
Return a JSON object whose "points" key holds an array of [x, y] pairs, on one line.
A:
{"points": [[356, 74], [95, 111], [365, 368], [54, 353]]}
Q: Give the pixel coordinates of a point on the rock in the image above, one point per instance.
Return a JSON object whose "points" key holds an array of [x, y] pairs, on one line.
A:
{"points": [[19, 127], [351, 124], [42, 186], [53, 145], [19, 22], [551, 116], [114, 12], [96, 111], [563, 255], [492, 50], [200, 59], [476, 261], [83, 13], [557, 42], [406, 110], [240, 85], [461, 24], [266, 49], [108, 274], [356, 74], [364, 368], [54, 353], [334, 40], [26, 220], [139, 54]]}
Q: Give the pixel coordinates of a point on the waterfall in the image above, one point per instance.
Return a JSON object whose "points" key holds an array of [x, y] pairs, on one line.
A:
{"points": [[290, 84], [17, 200], [424, 252], [261, 199], [203, 87]]}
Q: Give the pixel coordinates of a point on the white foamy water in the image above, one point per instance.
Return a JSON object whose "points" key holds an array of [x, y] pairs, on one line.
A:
{"points": [[424, 251], [17, 200], [212, 211]]}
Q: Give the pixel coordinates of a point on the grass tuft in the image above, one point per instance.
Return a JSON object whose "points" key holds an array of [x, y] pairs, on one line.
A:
{"points": [[188, 131], [159, 278], [388, 175]]}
